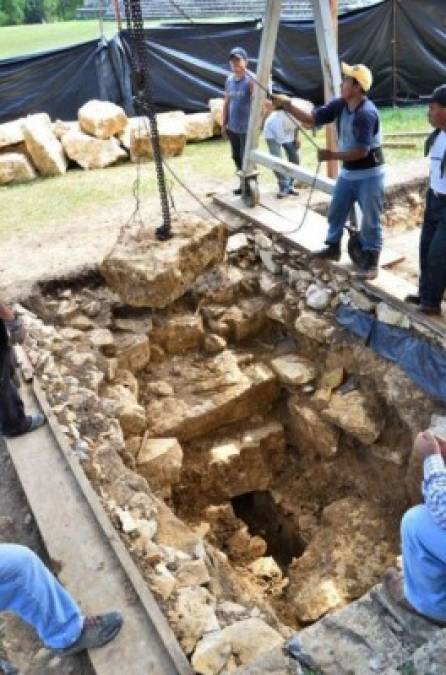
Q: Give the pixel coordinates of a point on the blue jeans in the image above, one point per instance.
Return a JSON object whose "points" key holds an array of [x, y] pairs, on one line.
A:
{"points": [[424, 562], [433, 251], [369, 193], [28, 589], [275, 148]]}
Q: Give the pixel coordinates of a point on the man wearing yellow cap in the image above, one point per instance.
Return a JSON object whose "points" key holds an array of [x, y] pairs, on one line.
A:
{"points": [[362, 176]]}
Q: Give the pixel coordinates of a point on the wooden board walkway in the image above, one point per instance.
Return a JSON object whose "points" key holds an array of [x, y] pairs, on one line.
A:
{"points": [[87, 552], [283, 219]]}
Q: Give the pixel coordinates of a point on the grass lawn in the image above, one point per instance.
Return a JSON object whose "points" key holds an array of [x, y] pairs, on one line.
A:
{"points": [[203, 166], [20, 40]]}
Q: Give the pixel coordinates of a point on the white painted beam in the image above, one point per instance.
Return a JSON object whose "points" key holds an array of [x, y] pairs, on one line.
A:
{"points": [[264, 67], [292, 171]]}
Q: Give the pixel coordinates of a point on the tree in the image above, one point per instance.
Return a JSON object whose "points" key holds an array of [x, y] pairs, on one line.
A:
{"points": [[12, 12]]}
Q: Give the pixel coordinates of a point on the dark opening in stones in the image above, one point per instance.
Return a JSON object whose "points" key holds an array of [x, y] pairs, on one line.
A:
{"points": [[265, 519]]}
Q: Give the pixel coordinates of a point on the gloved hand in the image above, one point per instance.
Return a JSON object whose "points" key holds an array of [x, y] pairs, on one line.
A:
{"points": [[16, 330], [281, 101]]}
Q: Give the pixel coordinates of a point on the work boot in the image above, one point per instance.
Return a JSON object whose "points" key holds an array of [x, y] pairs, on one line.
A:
{"points": [[429, 310], [96, 632], [7, 668], [369, 268], [282, 194], [237, 191], [329, 252], [413, 299]]}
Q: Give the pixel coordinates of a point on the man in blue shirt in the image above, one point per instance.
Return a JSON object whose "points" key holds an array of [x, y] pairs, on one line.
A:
{"points": [[422, 586], [238, 93], [362, 176]]}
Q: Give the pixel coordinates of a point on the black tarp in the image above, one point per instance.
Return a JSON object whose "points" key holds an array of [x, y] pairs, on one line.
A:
{"points": [[189, 61]]}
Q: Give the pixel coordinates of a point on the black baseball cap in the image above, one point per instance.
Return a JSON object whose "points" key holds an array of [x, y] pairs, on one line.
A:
{"points": [[238, 53], [438, 96]]}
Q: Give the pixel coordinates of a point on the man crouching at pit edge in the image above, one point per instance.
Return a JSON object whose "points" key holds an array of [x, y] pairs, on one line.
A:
{"points": [[362, 176]]}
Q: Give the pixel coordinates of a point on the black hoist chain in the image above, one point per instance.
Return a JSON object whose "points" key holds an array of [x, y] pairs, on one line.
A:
{"points": [[143, 102]]}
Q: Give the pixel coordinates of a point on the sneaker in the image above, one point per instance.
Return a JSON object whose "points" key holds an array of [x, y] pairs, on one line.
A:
{"points": [[429, 311], [237, 191], [282, 193], [413, 299], [293, 191], [96, 632], [7, 668], [329, 252]]}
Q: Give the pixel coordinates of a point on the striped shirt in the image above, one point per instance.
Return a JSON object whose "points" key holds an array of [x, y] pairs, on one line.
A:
{"points": [[434, 488]]}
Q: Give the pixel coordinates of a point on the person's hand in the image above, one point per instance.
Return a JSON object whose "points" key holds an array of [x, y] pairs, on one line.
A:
{"points": [[224, 132], [323, 154], [281, 100], [442, 443], [16, 330], [426, 444]]}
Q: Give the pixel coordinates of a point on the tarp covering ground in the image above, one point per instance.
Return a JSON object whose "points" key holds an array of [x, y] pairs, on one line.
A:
{"points": [[189, 61]]}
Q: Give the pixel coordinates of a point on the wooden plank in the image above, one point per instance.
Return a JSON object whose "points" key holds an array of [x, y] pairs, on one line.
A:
{"points": [[94, 564], [330, 129], [266, 54], [293, 171], [328, 52], [407, 134], [285, 220]]}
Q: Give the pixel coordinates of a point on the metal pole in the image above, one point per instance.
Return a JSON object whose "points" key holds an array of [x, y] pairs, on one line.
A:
{"points": [[264, 66], [330, 129]]}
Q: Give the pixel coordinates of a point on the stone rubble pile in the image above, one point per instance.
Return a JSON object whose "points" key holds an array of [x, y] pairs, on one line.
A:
{"points": [[241, 384], [102, 136]]}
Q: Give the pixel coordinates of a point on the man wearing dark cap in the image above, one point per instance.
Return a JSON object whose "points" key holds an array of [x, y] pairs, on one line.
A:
{"points": [[238, 94], [432, 283]]}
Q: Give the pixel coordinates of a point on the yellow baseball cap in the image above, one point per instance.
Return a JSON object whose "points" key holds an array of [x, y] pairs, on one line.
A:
{"points": [[360, 73]]}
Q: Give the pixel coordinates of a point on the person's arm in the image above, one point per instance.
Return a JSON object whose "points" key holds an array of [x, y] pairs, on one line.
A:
{"points": [[434, 484], [364, 131]]}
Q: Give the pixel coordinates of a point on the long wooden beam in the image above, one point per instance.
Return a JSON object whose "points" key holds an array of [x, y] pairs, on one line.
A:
{"points": [[292, 171]]}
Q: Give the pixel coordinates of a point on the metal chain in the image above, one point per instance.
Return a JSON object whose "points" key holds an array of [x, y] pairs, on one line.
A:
{"points": [[143, 102]]}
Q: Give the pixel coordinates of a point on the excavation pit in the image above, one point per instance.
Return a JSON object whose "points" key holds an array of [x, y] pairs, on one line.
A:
{"points": [[251, 453]]}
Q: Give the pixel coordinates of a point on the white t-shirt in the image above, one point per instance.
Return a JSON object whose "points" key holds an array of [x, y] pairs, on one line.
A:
{"points": [[438, 183], [279, 127]]}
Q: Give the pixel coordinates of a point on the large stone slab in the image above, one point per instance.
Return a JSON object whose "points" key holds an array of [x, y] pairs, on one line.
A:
{"points": [[15, 168], [171, 131], [216, 107], [146, 272], [214, 392], [309, 432], [45, 149], [348, 554], [199, 126], [356, 414], [102, 119], [90, 152], [11, 133]]}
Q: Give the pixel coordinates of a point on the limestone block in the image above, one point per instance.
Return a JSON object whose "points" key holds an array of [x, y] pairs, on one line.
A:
{"points": [[193, 615], [102, 119], [162, 581], [132, 351], [178, 333], [248, 317], [214, 344], [237, 242], [391, 316], [348, 555], [132, 418], [216, 107], [309, 432], [90, 152], [61, 128], [146, 272], [171, 132], [211, 654], [314, 327], [15, 168], [356, 415], [199, 126], [159, 461], [11, 133], [132, 123], [317, 297], [44, 148], [192, 573], [251, 637], [293, 369], [215, 392]]}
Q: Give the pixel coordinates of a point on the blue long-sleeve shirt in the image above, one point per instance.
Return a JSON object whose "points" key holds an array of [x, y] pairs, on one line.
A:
{"points": [[434, 488]]}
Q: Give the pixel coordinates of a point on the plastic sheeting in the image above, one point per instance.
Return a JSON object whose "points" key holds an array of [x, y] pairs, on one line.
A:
{"points": [[422, 361], [190, 61]]}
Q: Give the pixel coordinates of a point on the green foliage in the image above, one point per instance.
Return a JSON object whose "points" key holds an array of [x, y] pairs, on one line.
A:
{"points": [[13, 12]]}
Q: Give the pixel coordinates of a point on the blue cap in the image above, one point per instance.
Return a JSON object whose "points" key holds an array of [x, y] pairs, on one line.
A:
{"points": [[238, 53]]}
